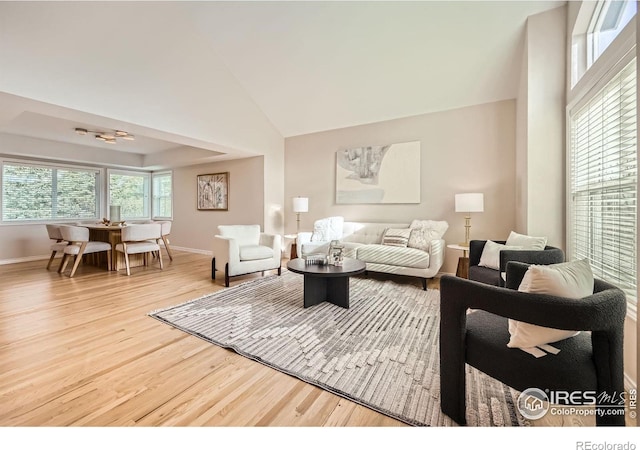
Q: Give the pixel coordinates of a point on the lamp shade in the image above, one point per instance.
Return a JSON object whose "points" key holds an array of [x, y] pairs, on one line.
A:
{"points": [[470, 202], [300, 204]]}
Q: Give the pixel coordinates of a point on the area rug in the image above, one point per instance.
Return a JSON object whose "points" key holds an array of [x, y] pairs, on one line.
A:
{"points": [[382, 352]]}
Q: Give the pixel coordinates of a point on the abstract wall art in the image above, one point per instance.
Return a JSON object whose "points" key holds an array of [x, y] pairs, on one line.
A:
{"points": [[379, 174], [213, 192]]}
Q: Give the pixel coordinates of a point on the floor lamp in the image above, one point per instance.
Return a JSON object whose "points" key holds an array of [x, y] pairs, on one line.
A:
{"points": [[300, 205], [468, 203]]}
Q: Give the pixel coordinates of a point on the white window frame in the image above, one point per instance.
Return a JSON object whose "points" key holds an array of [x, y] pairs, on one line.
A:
{"points": [[49, 165], [584, 39], [153, 195], [614, 58]]}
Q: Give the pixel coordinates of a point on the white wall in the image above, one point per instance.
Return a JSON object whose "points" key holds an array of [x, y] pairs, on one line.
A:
{"points": [[463, 150], [94, 57], [540, 160]]}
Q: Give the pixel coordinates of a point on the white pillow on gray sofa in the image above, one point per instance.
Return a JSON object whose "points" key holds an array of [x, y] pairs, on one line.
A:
{"points": [[572, 279], [491, 254], [526, 242]]}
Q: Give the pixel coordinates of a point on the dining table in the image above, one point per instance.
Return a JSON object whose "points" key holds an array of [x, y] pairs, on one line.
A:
{"points": [[113, 235]]}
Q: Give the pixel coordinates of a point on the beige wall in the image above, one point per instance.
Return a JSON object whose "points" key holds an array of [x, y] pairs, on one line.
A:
{"points": [[193, 229], [463, 150], [540, 154]]}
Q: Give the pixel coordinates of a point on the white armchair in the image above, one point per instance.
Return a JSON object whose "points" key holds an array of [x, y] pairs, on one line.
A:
{"points": [[243, 249]]}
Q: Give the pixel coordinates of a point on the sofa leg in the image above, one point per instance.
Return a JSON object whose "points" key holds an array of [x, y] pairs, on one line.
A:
{"points": [[424, 284], [279, 271], [213, 268], [226, 275]]}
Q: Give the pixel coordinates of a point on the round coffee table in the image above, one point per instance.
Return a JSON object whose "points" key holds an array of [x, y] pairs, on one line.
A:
{"points": [[326, 283]]}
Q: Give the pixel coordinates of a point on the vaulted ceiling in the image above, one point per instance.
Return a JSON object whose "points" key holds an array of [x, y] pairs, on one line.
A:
{"points": [[302, 66]]}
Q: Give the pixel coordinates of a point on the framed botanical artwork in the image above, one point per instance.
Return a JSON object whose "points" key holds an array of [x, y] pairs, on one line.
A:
{"points": [[213, 192]]}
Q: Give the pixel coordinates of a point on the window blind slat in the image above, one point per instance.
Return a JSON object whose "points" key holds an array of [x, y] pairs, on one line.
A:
{"points": [[603, 182], [32, 192]]}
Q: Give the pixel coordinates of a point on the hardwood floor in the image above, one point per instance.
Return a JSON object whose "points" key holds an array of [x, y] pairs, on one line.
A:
{"points": [[82, 352]]}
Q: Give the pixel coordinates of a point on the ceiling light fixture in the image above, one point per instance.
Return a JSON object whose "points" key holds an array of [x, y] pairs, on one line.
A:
{"points": [[106, 136]]}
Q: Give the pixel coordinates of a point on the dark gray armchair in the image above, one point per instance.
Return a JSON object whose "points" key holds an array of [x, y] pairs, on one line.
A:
{"points": [[550, 255], [587, 362]]}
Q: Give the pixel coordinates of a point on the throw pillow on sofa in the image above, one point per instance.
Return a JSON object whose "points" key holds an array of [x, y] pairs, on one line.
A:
{"points": [[491, 254], [327, 229], [526, 242], [572, 279], [424, 231], [396, 237]]}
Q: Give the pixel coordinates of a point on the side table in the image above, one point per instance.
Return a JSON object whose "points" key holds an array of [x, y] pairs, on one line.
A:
{"points": [[294, 245], [463, 262]]}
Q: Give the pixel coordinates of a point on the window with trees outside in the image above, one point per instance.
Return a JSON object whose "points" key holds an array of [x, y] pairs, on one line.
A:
{"points": [[130, 191], [162, 194], [38, 192]]}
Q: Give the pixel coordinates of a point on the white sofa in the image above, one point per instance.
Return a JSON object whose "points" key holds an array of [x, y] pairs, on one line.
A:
{"points": [[363, 241]]}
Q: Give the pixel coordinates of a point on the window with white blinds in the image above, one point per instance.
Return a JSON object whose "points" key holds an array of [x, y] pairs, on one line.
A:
{"points": [[37, 192], [603, 182]]}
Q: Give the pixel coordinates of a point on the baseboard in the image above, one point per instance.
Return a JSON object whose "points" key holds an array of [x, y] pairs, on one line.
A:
{"points": [[192, 250], [41, 257], [23, 259]]}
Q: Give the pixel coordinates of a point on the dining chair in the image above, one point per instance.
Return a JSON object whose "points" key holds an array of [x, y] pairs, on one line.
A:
{"points": [[166, 231], [54, 233], [142, 238], [80, 245]]}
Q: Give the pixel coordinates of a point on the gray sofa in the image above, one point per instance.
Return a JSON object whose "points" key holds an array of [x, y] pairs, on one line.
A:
{"points": [[363, 241], [486, 275]]}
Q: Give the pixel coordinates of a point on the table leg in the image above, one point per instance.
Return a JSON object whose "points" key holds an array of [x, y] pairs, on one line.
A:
{"points": [[463, 268], [321, 289], [338, 291], [294, 251]]}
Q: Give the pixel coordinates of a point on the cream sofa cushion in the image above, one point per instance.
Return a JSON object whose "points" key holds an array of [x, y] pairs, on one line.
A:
{"points": [[327, 229], [243, 234], [255, 252], [394, 256]]}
